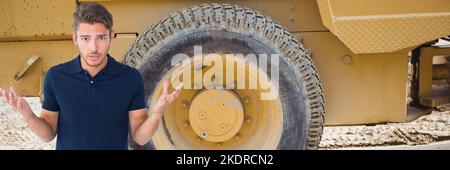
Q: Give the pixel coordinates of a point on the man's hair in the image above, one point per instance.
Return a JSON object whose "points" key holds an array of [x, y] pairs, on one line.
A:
{"points": [[92, 13]]}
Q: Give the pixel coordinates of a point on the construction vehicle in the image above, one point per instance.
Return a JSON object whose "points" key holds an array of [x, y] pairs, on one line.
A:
{"points": [[346, 58]]}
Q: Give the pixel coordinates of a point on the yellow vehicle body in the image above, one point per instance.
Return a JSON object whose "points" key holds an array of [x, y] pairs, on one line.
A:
{"points": [[360, 48]]}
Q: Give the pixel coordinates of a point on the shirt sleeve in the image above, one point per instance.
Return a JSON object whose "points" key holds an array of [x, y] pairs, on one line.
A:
{"points": [[50, 102], [138, 99]]}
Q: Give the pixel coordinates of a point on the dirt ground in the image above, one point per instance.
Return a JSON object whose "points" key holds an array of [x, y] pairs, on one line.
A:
{"points": [[428, 132], [14, 132], [423, 131]]}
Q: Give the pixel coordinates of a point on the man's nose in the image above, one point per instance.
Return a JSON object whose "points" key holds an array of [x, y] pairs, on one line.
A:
{"points": [[93, 46]]}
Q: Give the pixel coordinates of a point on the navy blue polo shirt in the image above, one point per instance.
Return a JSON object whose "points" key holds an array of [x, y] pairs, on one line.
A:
{"points": [[93, 111]]}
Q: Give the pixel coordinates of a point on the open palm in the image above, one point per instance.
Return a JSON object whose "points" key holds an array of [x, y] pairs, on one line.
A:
{"points": [[13, 98], [165, 99]]}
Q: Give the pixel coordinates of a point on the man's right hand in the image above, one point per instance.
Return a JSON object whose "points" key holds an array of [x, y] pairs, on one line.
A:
{"points": [[13, 98], [44, 126]]}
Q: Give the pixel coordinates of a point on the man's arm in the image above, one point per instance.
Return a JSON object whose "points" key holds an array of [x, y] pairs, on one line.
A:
{"points": [[44, 126], [143, 127]]}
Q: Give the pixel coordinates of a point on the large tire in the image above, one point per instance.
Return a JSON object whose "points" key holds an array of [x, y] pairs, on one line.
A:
{"points": [[235, 29]]}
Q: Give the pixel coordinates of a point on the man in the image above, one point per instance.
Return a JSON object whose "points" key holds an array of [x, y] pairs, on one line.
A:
{"points": [[93, 101]]}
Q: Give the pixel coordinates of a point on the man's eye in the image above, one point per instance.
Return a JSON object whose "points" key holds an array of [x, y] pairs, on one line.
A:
{"points": [[84, 39], [102, 38]]}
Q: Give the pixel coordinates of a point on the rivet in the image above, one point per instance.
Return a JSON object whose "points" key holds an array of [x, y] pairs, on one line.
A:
{"points": [[222, 127], [223, 105], [291, 7], [291, 19], [347, 59], [202, 115]]}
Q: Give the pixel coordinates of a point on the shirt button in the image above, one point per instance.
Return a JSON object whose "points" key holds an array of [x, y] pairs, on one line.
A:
{"points": [[92, 82]]}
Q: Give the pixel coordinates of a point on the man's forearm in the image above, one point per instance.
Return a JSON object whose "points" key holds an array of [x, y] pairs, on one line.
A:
{"points": [[40, 127], [146, 130]]}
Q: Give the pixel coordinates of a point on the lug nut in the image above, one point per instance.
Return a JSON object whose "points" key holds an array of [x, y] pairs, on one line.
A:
{"points": [[185, 104], [248, 119], [246, 100], [204, 135], [238, 136], [186, 123]]}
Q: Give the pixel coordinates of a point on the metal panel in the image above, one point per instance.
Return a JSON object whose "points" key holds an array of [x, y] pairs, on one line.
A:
{"points": [[296, 15], [358, 89], [376, 26], [36, 20], [15, 54]]}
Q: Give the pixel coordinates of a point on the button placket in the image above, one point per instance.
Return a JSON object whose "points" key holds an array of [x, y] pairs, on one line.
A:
{"points": [[91, 90]]}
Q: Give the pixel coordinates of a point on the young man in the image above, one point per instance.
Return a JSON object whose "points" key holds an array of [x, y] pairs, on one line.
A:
{"points": [[93, 101]]}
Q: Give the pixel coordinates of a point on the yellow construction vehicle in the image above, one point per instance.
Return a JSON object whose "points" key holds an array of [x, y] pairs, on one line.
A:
{"points": [[346, 58]]}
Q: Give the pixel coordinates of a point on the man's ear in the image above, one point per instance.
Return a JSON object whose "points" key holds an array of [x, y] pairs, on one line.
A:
{"points": [[74, 38], [113, 33]]}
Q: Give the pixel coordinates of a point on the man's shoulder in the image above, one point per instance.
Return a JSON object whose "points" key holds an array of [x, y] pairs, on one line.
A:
{"points": [[121, 69], [62, 67], [133, 72], [126, 69]]}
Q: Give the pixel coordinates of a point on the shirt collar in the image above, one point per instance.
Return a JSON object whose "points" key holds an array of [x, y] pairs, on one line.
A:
{"points": [[112, 66]]}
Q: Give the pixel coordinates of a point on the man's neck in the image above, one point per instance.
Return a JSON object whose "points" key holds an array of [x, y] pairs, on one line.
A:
{"points": [[94, 70]]}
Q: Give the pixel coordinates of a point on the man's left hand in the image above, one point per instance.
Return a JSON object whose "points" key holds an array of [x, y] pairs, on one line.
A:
{"points": [[165, 99]]}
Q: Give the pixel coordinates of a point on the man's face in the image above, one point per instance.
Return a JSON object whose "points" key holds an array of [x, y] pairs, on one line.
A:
{"points": [[93, 41]]}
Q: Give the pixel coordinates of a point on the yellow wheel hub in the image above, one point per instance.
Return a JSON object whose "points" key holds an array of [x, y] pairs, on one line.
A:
{"points": [[216, 115], [219, 118]]}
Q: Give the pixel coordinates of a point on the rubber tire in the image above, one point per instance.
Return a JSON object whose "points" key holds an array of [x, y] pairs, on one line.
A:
{"points": [[235, 29]]}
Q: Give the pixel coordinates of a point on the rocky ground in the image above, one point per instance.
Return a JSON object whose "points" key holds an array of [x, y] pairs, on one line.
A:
{"points": [[14, 132], [428, 132], [427, 129]]}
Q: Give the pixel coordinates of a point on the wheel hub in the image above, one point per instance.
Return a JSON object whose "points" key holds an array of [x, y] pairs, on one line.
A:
{"points": [[216, 115]]}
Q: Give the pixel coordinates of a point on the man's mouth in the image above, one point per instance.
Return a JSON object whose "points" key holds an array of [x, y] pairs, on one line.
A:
{"points": [[94, 57]]}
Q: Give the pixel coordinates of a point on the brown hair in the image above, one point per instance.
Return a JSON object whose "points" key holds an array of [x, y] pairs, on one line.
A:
{"points": [[92, 13]]}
